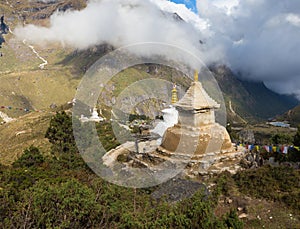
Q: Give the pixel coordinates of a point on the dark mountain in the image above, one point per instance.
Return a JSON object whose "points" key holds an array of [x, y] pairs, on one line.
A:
{"points": [[81, 60], [245, 101], [251, 100]]}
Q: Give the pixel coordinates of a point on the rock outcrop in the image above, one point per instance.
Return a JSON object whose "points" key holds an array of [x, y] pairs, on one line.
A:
{"points": [[3, 30]]}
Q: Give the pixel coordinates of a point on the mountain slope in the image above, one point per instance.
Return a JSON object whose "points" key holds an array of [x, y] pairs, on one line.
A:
{"points": [[251, 100], [292, 116], [25, 85], [22, 133]]}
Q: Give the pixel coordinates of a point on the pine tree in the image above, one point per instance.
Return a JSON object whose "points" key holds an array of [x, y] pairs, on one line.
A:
{"points": [[60, 133]]}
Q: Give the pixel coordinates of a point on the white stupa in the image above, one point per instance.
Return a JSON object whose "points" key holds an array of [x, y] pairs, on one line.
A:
{"points": [[83, 118], [170, 116], [95, 116]]}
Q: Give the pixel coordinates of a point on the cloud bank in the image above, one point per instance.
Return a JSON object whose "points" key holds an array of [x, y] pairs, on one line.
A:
{"points": [[259, 39], [122, 23]]}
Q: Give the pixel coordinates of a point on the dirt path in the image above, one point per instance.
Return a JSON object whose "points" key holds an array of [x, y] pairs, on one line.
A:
{"points": [[45, 62], [234, 113], [230, 107]]}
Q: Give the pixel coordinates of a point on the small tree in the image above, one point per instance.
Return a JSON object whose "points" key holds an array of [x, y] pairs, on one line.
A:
{"points": [[281, 138], [232, 220], [60, 133], [297, 137], [31, 157]]}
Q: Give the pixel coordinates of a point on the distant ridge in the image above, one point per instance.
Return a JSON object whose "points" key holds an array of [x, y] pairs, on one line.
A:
{"points": [[292, 116], [251, 100]]}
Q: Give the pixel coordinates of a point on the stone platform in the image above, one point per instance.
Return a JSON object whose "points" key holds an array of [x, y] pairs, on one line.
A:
{"points": [[155, 159]]}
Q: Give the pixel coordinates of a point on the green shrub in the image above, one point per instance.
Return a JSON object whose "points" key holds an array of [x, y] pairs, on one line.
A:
{"points": [[30, 157], [281, 138], [60, 133], [293, 155], [7, 207], [273, 183], [232, 221], [225, 183], [297, 137], [66, 205]]}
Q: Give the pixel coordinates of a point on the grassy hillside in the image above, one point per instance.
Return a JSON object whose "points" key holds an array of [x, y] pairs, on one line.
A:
{"points": [[293, 116], [36, 89], [25, 85], [18, 135], [250, 101]]}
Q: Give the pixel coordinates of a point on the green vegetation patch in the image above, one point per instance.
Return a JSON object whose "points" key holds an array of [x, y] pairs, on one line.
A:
{"points": [[273, 183]]}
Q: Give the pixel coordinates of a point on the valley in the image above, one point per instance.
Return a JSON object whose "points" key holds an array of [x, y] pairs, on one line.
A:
{"points": [[38, 84]]}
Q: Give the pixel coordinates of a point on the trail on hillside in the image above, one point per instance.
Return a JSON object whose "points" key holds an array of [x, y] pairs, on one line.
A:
{"points": [[230, 107], [234, 113], [45, 62]]}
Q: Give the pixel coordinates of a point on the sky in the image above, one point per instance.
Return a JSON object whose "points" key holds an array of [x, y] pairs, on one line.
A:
{"points": [[190, 4], [258, 39]]}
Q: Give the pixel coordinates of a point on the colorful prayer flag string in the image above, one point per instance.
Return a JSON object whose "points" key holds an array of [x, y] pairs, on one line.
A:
{"points": [[20, 109], [269, 148]]}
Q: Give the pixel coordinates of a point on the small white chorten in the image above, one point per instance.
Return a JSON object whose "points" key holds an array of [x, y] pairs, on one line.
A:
{"points": [[95, 116]]}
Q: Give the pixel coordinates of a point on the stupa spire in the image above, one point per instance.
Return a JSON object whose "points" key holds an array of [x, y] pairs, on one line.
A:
{"points": [[196, 98], [196, 77], [174, 94]]}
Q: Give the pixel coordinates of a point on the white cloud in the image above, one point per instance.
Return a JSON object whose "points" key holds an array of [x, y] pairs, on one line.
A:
{"points": [[259, 38], [294, 19], [121, 23]]}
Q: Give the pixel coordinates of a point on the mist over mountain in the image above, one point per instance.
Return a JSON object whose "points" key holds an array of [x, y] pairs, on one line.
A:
{"points": [[252, 101], [257, 39], [120, 23], [260, 39]]}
